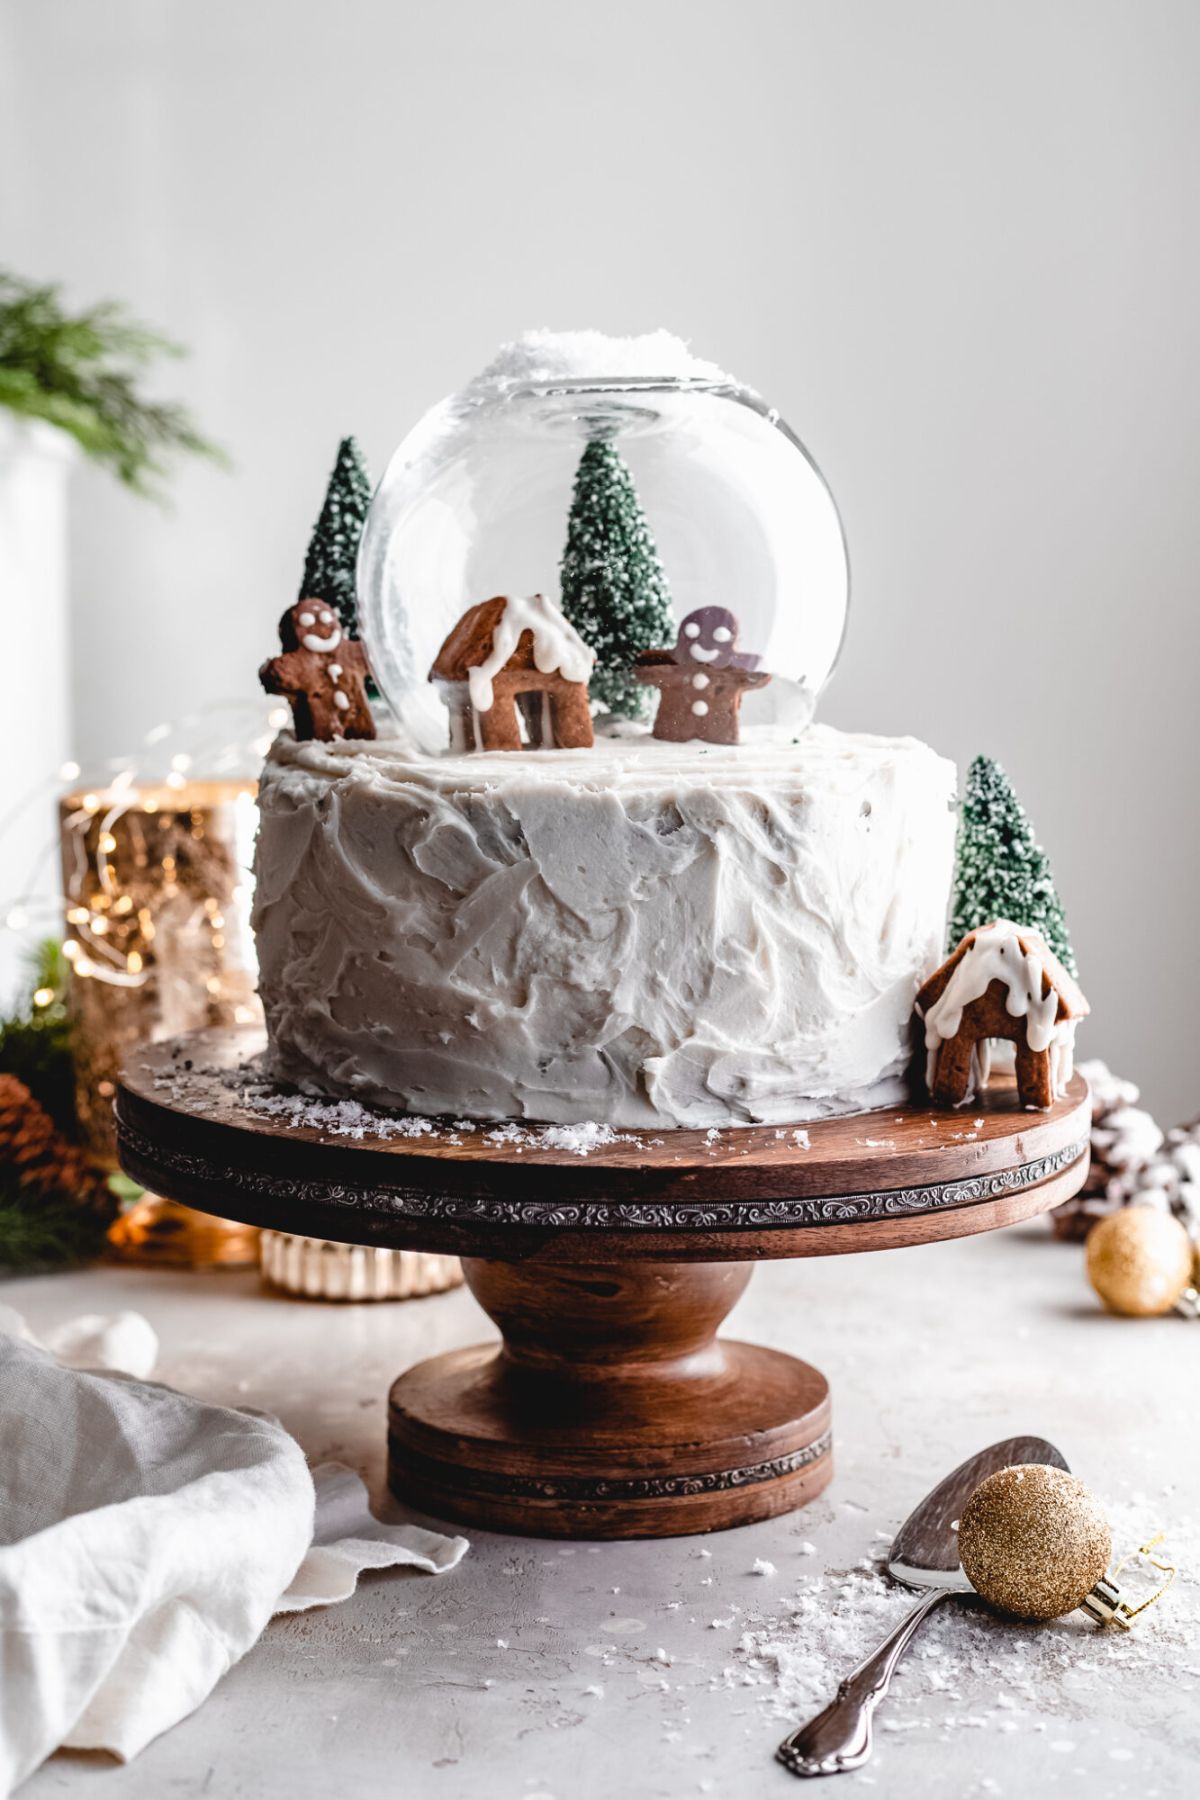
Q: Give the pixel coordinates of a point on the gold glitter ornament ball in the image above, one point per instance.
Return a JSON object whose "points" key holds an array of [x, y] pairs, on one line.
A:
{"points": [[1033, 1541], [1139, 1261]]}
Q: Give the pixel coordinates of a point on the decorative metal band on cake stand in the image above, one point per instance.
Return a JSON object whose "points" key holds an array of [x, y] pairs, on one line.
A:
{"points": [[601, 1215], [582, 1489]]}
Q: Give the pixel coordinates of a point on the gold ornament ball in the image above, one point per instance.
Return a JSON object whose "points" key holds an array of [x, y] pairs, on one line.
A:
{"points": [[1033, 1541], [1139, 1261]]}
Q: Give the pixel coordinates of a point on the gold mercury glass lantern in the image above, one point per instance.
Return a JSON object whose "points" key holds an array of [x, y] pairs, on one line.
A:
{"points": [[156, 881]]}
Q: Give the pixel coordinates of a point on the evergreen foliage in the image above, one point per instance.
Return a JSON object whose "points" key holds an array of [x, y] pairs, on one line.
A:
{"points": [[38, 1234], [55, 1207], [35, 1039], [1002, 872], [329, 567], [614, 590], [82, 372]]}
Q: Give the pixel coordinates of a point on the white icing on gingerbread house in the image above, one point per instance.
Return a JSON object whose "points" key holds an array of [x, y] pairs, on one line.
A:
{"points": [[510, 663], [1003, 981]]}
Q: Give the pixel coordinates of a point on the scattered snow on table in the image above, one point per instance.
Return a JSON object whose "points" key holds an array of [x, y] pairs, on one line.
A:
{"points": [[969, 1668]]}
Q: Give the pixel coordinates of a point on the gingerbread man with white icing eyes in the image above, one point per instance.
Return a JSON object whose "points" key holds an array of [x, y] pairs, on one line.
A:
{"points": [[701, 680], [322, 672]]}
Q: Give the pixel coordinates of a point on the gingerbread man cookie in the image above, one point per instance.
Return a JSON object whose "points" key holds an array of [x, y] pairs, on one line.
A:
{"points": [[701, 680], [322, 672]]}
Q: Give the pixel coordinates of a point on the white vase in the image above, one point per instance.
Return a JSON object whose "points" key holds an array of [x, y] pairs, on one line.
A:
{"points": [[35, 462]]}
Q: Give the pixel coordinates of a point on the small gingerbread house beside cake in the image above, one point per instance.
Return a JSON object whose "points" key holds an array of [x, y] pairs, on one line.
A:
{"points": [[507, 654], [1003, 981]]}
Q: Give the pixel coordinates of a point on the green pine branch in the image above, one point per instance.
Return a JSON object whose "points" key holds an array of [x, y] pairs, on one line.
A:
{"points": [[35, 1038], [83, 373], [46, 1231], [37, 1233]]}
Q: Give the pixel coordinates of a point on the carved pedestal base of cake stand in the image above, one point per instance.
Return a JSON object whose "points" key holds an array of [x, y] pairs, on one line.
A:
{"points": [[610, 1407]]}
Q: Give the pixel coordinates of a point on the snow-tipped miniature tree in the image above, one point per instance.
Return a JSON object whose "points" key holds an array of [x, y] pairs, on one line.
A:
{"points": [[329, 567], [1002, 872], [614, 590]]}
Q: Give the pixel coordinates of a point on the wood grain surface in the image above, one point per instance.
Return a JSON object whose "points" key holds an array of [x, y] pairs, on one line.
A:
{"points": [[610, 1409]]}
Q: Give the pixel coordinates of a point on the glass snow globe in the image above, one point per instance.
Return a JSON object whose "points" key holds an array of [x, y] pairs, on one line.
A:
{"points": [[636, 501]]}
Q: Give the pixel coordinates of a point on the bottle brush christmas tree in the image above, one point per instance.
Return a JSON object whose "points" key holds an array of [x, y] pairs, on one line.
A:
{"points": [[329, 567], [1002, 872], [614, 590]]}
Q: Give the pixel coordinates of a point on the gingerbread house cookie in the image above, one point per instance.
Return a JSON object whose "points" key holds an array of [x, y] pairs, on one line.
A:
{"points": [[1003, 981], [322, 672], [701, 680], [506, 654]]}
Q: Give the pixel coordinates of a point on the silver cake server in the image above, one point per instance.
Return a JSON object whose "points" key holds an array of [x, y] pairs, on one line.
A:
{"points": [[924, 1555]]}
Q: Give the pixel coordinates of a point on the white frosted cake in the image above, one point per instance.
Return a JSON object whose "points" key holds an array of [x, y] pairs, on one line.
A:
{"points": [[642, 933]]}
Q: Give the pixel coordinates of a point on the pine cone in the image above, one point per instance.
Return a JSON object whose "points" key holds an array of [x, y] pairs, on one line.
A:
{"points": [[1126, 1143], [44, 1162]]}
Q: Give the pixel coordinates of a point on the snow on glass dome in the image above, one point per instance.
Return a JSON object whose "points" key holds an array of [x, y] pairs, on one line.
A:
{"points": [[631, 484]]}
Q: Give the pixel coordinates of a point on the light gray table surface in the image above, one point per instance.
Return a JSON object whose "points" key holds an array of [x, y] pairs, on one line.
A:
{"points": [[544, 1669]]}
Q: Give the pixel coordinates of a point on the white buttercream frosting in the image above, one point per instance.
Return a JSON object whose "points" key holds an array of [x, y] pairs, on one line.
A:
{"points": [[642, 934]]}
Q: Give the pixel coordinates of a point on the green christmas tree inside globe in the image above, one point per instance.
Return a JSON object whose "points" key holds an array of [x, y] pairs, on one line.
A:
{"points": [[1002, 872], [329, 567], [614, 590]]}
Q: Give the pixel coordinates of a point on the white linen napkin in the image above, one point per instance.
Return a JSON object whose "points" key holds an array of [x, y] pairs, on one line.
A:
{"points": [[146, 1538]]}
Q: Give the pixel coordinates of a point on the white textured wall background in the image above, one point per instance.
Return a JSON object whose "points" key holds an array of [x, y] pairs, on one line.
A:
{"points": [[954, 242]]}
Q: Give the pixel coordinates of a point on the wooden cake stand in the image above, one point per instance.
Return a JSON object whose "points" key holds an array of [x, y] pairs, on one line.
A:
{"points": [[610, 1408]]}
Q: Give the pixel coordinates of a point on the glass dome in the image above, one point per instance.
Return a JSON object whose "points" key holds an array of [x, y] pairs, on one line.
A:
{"points": [[477, 499]]}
